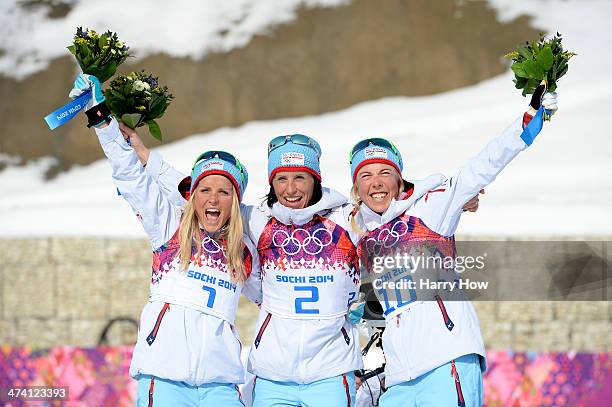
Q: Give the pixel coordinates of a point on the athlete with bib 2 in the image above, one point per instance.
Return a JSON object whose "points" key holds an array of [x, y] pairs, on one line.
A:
{"points": [[305, 348], [433, 349], [188, 352]]}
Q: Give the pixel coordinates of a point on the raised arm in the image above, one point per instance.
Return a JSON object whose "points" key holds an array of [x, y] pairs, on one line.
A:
{"points": [[159, 215], [166, 176], [441, 207]]}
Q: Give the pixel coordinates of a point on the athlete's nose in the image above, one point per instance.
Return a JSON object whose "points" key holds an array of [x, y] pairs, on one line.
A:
{"points": [[213, 198], [291, 188], [377, 182]]}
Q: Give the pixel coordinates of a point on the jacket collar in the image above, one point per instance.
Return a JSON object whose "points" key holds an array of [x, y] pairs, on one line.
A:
{"points": [[330, 199], [372, 220]]}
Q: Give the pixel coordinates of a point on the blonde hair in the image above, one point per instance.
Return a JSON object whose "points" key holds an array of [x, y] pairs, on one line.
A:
{"points": [[357, 202], [231, 238], [356, 207]]}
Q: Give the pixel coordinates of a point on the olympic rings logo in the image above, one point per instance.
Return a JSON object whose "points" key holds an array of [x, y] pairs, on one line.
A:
{"points": [[211, 246], [387, 238], [302, 239]]}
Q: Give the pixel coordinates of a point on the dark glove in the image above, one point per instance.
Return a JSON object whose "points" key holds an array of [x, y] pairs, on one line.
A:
{"points": [[536, 98]]}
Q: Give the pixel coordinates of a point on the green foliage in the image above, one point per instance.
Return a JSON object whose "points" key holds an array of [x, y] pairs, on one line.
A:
{"points": [[138, 99], [155, 130], [542, 60], [98, 55]]}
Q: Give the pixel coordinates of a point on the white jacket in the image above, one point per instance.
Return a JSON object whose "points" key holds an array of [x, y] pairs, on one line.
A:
{"points": [[310, 274], [302, 333], [186, 329], [421, 335]]}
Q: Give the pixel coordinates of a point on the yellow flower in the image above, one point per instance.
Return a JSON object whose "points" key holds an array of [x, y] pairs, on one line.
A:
{"points": [[512, 54]]}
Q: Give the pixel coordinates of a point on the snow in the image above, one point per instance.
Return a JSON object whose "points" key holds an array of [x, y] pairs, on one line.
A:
{"points": [[560, 186], [183, 28]]}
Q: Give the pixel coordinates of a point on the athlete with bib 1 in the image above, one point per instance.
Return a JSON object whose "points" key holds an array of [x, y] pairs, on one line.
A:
{"points": [[188, 352], [433, 349]]}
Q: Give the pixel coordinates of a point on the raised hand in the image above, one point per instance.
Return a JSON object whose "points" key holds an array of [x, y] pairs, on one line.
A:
{"points": [[472, 204], [133, 139], [86, 82]]}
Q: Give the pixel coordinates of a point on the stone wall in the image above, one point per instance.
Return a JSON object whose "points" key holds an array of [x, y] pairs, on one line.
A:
{"points": [[64, 291]]}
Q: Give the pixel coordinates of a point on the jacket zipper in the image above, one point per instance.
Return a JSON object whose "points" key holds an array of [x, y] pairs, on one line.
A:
{"points": [[153, 334], [347, 339], [447, 321], [262, 330]]}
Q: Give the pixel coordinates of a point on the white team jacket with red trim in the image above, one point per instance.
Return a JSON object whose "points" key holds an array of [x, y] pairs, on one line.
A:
{"points": [[309, 276], [186, 330], [422, 335]]}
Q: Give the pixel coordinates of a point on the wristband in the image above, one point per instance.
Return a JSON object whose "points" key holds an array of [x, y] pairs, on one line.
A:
{"points": [[98, 114]]}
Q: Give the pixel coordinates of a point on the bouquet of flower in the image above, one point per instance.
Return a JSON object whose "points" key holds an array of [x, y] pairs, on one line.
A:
{"points": [[539, 62], [98, 55], [138, 99]]}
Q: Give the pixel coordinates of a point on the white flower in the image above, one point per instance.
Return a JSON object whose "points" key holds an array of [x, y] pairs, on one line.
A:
{"points": [[140, 86]]}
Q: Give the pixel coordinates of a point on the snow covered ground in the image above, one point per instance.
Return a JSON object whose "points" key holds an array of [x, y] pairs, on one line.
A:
{"points": [[560, 185]]}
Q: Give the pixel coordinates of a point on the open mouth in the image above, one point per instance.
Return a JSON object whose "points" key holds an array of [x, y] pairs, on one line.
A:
{"points": [[379, 196], [212, 214], [293, 200]]}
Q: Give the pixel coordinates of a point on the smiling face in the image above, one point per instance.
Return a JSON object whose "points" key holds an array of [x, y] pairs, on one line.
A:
{"points": [[377, 184], [293, 189], [213, 199]]}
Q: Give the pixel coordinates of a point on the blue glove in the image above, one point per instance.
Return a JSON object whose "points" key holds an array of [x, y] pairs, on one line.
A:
{"points": [[356, 312], [86, 82]]}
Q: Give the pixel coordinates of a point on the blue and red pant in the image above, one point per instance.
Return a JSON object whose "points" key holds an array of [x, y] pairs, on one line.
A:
{"points": [[456, 383], [338, 391], [156, 392]]}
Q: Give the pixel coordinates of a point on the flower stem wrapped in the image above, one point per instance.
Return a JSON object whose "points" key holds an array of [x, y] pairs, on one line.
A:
{"points": [[138, 99], [98, 54]]}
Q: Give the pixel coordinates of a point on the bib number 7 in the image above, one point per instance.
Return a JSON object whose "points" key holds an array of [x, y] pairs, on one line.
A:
{"points": [[312, 295], [212, 293]]}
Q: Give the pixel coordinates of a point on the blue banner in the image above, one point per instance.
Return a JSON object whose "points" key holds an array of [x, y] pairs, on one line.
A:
{"points": [[533, 128], [67, 112]]}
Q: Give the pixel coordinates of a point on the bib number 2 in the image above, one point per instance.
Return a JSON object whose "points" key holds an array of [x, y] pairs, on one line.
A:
{"points": [[311, 295]]}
